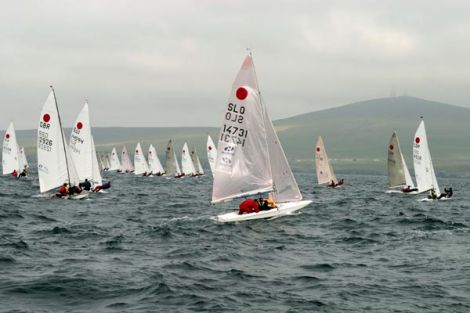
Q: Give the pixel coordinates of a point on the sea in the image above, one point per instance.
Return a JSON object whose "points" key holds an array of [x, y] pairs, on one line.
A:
{"points": [[149, 245]]}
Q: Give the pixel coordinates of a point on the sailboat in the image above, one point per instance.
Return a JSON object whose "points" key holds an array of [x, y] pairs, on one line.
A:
{"points": [[155, 165], [140, 164], [187, 165], [399, 177], [172, 167], [23, 160], [424, 170], [252, 161], [211, 154], [12, 161], [115, 164], [126, 164], [196, 162], [55, 164], [325, 174]]}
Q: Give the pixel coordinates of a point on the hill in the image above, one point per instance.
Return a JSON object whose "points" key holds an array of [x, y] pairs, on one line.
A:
{"points": [[356, 135]]}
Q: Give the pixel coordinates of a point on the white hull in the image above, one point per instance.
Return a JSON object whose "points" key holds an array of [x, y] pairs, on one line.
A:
{"points": [[405, 193], [282, 209], [430, 200]]}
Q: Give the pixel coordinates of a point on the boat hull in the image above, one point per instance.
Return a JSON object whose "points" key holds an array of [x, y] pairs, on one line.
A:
{"points": [[282, 209]]}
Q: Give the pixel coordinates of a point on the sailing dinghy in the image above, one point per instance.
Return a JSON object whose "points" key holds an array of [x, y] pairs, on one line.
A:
{"points": [[251, 160], [155, 165], [12, 160], [187, 165], [399, 178], [172, 167], [126, 164], [325, 174], [424, 169], [115, 164], [140, 164], [55, 164], [196, 162], [211, 154]]}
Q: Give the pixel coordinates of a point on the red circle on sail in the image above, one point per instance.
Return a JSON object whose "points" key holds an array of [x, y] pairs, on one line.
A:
{"points": [[210, 148], [79, 125], [137, 151], [417, 140], [7, 136], [318, 149], [242, 93], [168, 148], [184, 151], [391, 147], [46, 118]]}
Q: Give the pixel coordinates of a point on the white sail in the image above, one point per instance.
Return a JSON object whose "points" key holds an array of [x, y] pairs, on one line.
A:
{"points": [[23, 160], [177, 166], [80, 145], [424, 170], [211, 154], [325, 172], [284, 183], [55, 165], [154, 162], [126, 164], [197, 163], [140, 164], [107, 161], [243, 164], [96, 174], [171, 163], [10, 155], [398, 174], [187, 165], [115, 164]]}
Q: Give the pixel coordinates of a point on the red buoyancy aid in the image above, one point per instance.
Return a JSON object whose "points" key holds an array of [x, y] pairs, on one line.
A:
{"points": [[248, 206]]}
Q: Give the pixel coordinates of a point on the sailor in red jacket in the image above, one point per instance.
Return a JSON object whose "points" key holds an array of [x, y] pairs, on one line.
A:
{"points": [[248, 206]]}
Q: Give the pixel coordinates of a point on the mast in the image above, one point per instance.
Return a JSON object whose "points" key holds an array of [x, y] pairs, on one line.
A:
{"points": [[62, 133]]}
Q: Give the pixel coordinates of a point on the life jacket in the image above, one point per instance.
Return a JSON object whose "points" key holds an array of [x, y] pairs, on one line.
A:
{"points": [[271, 202], [248, 206], [63, 190]]}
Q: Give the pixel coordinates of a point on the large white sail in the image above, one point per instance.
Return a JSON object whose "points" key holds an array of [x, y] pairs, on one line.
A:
{"points": [[325, 172], [211, 154], [424, 170], [243, 165], [197, 163], [80, 145], [177, 166], [10, 155], [126, 164], [55, 165], [187, 165], [115, 163], [96, 174], [140, 164]]}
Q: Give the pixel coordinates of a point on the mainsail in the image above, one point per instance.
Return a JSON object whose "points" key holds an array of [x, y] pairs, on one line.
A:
{"points": [[187, 165], [211, 154], [197, 163], [55, 165], [11, 154], [140, 164], [170, 164], [424, 170], [325, 172], [398, 174], [126, 164], [80, 145], [154, 162], [115, 163], [251, 159]]}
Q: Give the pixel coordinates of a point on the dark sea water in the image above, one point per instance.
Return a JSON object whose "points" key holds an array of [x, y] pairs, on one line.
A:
{"points": [[149, 246]]}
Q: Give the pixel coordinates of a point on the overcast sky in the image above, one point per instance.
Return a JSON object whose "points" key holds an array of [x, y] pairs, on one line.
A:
{"points": [[172, 63]]}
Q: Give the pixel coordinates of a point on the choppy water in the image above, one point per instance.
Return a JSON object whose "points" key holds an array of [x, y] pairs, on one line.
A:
{"points": [[149, 246]]}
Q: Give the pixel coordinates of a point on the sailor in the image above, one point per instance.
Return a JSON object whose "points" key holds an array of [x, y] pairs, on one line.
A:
{"points": [[63, 190], [14, 173], [24, 172], [432, 194], [102, 186], [447, 193], [332, 184], [266, 204], [248, 206], [86, 185], [75, 190], [408, 188]]}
